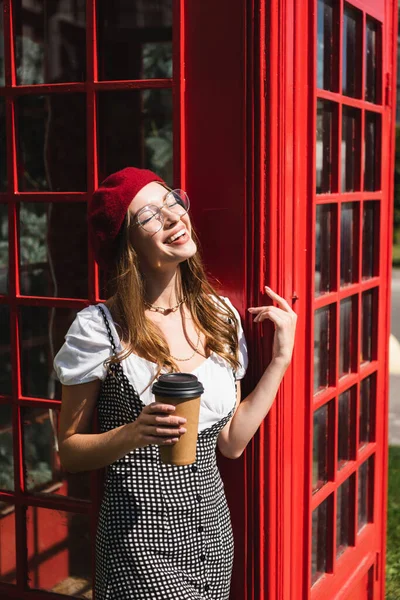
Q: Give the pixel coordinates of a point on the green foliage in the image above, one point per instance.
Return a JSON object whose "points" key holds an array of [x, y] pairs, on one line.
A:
{"points": [[393, 527]]}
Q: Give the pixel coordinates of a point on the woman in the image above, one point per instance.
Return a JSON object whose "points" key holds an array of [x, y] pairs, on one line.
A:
{"points": [[164, 531]]}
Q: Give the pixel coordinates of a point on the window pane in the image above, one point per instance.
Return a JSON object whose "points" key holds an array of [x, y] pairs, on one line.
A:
{"points": [[348, 340], [5, 351], [3, 250], [321, 528], [367, 410], [7, 541], [345, 428], [325, 254], [51, 142], [42, 469], [348, 242], [372, 162], [351, 149], [134, 39], [352, 56], [59, 552], [322, 347], [371, 67], [370, 246], [3, 146], [50, 44], [365, 493], [326, 152], [48, 251], [135, 128], [326, 69], [320, 447], [344, 516], [42, 332], [6, 449], [367, 320]]}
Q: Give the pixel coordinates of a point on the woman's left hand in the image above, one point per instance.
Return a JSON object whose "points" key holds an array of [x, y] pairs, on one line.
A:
{"points": [[284, 319]]}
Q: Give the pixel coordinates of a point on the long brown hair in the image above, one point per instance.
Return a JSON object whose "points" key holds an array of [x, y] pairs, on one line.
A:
{"points": [[140, 335]]}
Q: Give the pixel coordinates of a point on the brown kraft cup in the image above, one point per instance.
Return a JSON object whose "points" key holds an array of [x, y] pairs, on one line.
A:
{"points": [[183, 390]]}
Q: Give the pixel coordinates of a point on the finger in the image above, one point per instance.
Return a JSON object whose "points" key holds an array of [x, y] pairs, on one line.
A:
{"points": [[159, 407], [165, 431], [278, 298], [151, 439]]}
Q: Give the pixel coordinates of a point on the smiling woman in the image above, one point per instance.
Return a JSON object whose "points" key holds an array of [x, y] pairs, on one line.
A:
{"points": [[159, 521], [162, 316]]}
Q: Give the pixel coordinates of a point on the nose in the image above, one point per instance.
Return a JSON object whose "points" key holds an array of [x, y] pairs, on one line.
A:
{"points": [[170, 215]]}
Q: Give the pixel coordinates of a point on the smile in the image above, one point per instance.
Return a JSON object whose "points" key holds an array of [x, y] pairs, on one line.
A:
{"points": [[180, 237]]}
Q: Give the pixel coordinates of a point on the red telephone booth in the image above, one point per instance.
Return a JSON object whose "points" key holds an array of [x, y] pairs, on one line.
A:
{"points": [[277, 117]]}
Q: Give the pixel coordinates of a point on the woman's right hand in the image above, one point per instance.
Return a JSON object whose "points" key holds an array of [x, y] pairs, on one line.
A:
{"points": [[157, 424]]}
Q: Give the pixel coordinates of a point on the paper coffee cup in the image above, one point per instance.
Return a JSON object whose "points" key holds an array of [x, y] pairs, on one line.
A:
{"points": [[183, 390]]}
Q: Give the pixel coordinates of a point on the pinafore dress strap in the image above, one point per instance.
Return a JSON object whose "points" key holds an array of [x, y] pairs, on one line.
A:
{"points": [[111, 367]]}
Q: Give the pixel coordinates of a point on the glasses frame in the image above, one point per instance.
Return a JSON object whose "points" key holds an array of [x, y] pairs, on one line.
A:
{"points": [[159, 216]]}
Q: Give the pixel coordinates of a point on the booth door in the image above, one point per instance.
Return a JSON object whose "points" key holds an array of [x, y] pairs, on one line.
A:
{"points": [[353, 116]]}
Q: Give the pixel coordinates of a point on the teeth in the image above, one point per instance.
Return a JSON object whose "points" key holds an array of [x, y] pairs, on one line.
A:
{"points": [[176, 236]]}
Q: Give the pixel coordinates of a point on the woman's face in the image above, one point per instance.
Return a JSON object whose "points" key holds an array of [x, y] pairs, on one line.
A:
{"points": [[157, 249]]}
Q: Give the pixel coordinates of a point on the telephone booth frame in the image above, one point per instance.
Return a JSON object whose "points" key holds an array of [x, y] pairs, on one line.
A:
{"points": [[308, 509]]}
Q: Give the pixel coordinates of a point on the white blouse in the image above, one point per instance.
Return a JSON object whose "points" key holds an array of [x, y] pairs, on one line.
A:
{"points": [[87, 346]]}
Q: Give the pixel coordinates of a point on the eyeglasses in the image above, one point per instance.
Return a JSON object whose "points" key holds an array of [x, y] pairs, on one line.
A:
{"points": [[150, 217]]}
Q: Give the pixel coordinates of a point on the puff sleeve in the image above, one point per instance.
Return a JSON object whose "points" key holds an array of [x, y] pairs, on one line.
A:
{"points": [[86, 347]]}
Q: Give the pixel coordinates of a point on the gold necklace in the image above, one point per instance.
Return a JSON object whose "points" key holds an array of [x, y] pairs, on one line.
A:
{"points": [[191, 356], [161, 309]]}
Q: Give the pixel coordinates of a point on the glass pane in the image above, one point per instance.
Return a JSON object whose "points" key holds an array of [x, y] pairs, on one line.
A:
{"points": [[324, 229], [6, 448], [346, 429], [344, 514], [348, 242], [59, 552], [50, 44], [348, 340], [51, 143], [367, 320], [48, 251], [2, 78], [320, 447], [135, 128], [320, 535], [325, 46], [372, 161], [365, 493], [370, 246], [3, 250], [352, 56], [371, 67], [8, 559], [326, 153], [3, 146], [42, 331], [42, 469], [322, 347], [367, 411], [351, 149], [134, 39], [5, 351]]}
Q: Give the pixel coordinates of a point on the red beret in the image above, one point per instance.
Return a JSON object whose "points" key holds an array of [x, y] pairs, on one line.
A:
{"points": [[108, 207]]}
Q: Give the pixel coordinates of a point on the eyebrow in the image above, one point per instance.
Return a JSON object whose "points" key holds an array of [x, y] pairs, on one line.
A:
{"points": [[165, 195]]}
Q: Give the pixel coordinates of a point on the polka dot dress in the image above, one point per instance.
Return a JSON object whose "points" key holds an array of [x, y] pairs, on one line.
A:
{"points": [[164, 531]]}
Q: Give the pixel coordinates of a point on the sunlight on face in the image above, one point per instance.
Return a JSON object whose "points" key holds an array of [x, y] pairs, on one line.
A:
{"points": [[155, 249]]}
